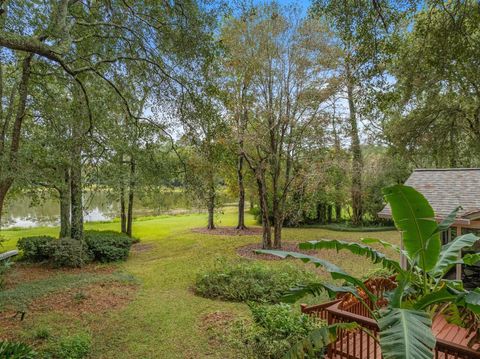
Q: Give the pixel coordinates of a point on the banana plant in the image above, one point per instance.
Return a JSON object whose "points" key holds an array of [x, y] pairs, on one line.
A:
{"points": [[422, 290]]}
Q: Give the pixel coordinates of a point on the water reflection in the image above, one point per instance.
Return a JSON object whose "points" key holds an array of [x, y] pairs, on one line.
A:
{"points": [[25, 211]]}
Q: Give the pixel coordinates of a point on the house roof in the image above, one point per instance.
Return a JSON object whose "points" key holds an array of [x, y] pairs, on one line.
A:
{"points": [[447, 189]]}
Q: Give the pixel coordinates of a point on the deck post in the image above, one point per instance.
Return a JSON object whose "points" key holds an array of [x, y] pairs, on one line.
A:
{"points": [[458, 268]]}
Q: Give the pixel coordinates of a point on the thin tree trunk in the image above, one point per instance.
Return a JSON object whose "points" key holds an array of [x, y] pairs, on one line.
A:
{"points": [[241, 195], [357, 162], [123, 213], [64, 194], [211, 204], [131, 191], [277, 231]]}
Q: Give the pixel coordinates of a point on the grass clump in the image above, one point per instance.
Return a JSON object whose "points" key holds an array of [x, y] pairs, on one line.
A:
{"points": [[242, 281], [274, 330], [16, 350], [77, 346]]}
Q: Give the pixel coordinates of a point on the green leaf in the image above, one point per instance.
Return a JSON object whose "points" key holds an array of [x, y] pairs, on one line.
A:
{"points": [[335, 271], [470, 259], [442, 295], [415, 218], [450, 253], [355, 248], [472, 300], [406, 334], [317, 340], [316, 289], [448, 221], [385, 244]]}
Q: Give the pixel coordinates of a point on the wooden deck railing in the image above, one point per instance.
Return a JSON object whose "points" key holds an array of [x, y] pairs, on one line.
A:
{"points": [[363, 343]]}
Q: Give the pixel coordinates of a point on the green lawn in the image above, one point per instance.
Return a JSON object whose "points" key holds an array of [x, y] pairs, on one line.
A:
{"points": [[165, 318]]}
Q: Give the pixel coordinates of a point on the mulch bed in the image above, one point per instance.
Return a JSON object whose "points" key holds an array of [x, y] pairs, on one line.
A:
{"points": [[74, 303], [27, 272], [248, 251], [229, 231], [95, 298]]}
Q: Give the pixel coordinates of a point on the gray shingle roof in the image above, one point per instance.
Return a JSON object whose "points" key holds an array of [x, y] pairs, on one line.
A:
{"points": [[446, 189]]}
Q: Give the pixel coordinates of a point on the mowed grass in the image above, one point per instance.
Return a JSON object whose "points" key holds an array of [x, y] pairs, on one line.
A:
{"points": [[165, 318]]}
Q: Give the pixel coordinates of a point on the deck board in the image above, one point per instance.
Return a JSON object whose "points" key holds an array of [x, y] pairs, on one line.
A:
{"points": [[365, 347]]}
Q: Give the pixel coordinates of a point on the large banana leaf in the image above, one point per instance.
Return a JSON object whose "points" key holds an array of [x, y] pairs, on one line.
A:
{"points": [[415, 218], [317, 340], [335, 271], [355, 248], [450, 253], [406, 334]]}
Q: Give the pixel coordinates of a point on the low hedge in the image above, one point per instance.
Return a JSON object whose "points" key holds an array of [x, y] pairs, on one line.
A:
{"points": [[108, 246], [102, 246]]}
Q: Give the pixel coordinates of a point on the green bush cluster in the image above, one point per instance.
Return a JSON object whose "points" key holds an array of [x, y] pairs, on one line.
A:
{"points": [[68, 252], [103, 246], [36, 249], [77, 346], [16, 350], [275, 329], [243, 281], [108, 246]]}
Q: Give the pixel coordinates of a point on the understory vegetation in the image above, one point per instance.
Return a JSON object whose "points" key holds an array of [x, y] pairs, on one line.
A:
{"points": [[102, 246], [244, 281]]}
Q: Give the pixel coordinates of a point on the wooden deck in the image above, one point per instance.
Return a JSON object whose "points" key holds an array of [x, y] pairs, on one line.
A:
{"points": [[451, 340]]}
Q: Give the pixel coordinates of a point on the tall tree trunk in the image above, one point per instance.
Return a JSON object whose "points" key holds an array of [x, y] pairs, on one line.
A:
{"points": [[7, 168], [211, 204], [338, 212], [262, 196], [357, 161], [64, 194], [131, 191], [277, 230], [241, 194], [123, 212], [76, 185]]}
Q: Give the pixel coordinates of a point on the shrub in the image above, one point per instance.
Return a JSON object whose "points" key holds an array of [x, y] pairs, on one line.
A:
{"points": [[68, 252], [36, 249], [74, 347], [243, 281], [108, 246], [274, 330], [16, 350]]}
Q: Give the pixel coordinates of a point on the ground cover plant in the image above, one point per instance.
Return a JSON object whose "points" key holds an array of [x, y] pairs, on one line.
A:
{"points": [[244, 281], [273, 331]]}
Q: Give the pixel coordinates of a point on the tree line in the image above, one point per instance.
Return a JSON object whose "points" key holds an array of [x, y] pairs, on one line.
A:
{"points": [[304, 114]]}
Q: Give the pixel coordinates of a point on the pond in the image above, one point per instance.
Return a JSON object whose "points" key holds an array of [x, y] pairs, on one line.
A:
{"points": [[30, 211]]}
